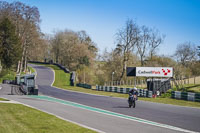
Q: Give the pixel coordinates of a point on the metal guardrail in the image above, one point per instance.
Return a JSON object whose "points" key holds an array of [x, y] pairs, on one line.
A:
{"points": [[141, 92], [66, 70], [186, 96]]}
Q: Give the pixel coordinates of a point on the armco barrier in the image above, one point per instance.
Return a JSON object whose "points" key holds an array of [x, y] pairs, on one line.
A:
{"points": [[186, 96], [58, 65], [141, 92], [87, 86]]}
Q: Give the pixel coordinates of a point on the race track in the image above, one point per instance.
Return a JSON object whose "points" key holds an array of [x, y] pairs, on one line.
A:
{"points": [[179, 117]]}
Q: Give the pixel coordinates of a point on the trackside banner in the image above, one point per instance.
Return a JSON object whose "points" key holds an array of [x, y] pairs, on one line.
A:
{"points": [[154, 71]]}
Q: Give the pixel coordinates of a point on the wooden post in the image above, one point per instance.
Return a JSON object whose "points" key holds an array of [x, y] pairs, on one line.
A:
{"points": [[194, 81], [135, 81], [181, 80], [172, 84]]}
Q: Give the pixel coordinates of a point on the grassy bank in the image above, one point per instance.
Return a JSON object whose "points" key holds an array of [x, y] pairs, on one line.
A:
{"points": [[2, 99], [168, 100], [61, 78], [21, 119], [192, 88], [62, 81], [31, 69]]}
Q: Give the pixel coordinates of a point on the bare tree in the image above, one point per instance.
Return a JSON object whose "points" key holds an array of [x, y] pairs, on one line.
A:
{"points": [[186, 52], [154, 41], [127, 38], [143, 43]]}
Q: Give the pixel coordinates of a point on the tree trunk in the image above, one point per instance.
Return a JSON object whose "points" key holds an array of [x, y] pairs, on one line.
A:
{"points": [[18, 66], [151, 55], [25, 63], [25, 60], [22, 60], [124, 69], [142, 63]]}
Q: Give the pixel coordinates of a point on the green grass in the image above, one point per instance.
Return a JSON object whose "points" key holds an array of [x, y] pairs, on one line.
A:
{"points": [[2, 99], [192, 88], [62, 79], [7, 75], [21, 119], [168, 100], [32, 70]]}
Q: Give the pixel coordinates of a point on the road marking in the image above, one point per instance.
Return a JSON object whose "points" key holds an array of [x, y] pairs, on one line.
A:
{"points": [[111, 113], [99, 131], [53, 76]]}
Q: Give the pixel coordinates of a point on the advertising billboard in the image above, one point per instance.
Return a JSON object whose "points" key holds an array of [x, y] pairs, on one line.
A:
{"points": [[150, 71]]}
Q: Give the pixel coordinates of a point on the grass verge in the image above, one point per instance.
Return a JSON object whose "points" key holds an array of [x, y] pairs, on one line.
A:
{"points": [[192, 88], [32, 70], [2, 99], [62, 79], [19, 118]]}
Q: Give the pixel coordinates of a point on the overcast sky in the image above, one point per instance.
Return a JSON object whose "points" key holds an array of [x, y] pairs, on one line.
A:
{"points": [[179, 20]]}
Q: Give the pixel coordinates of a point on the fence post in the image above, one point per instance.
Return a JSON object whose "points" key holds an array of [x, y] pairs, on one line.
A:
{"points": [[181, 80], [194, 81]]}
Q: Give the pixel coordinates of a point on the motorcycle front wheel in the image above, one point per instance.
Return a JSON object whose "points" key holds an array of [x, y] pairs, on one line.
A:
{"points": [[133, 104]]}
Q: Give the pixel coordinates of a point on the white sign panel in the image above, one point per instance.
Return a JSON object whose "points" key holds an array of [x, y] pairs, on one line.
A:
{"points": [[154, 71]]}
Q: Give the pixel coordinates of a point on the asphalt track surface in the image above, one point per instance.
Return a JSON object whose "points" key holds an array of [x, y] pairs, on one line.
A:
{"points": [[183, 117], [177, 116]]}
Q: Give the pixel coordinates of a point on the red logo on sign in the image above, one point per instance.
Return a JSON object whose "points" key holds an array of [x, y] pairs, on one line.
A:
{"points": [[166, 72]]}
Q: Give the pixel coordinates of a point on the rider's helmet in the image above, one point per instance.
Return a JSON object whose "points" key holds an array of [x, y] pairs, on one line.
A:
{"points": [[135, 89]]}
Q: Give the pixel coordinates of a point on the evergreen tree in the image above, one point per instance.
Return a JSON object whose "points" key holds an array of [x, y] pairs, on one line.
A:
{"points": [[10, 47]]}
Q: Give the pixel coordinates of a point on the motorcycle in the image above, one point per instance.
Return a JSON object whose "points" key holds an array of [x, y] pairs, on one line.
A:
{"points": [[131, 100]]}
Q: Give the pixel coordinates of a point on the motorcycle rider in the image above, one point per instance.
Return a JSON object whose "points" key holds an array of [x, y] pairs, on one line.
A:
{"points": [[133, 92]]}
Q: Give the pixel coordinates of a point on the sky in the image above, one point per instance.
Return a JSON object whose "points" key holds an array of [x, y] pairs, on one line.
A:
{"points": [[178, 20]]}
